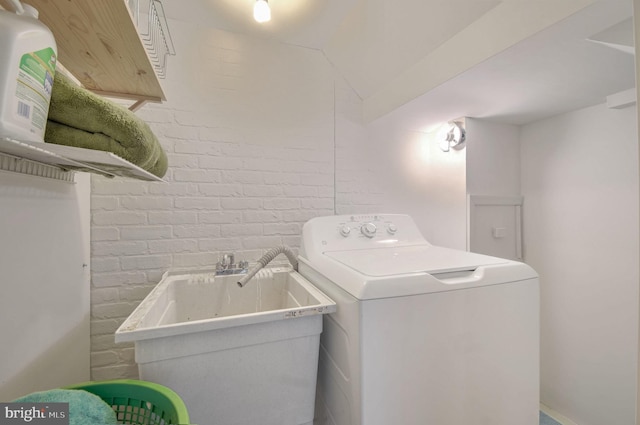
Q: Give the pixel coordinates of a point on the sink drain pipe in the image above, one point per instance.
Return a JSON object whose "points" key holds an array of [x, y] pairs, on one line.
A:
{"points": [[266, 259]]}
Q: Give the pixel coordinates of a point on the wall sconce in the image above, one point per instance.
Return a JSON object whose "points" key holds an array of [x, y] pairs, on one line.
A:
{"points": [[452, 137], [261, 11]]}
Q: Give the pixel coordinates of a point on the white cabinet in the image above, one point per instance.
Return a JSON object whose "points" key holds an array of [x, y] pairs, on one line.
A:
{"points": [[45, 283]]}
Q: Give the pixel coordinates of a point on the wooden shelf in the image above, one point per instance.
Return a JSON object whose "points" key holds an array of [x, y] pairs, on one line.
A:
{"points": [[99, 44]]}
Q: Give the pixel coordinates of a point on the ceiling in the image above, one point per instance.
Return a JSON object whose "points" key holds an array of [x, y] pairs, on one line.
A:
{"points": [[428, 61], [308, 23]]}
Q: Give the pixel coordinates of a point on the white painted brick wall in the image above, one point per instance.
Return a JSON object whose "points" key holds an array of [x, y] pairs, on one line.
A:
{"points": [[251, 160], [359, 171]]}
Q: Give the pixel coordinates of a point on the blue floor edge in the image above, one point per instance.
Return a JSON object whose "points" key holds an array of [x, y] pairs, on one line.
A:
{"points": [[547, 420]]}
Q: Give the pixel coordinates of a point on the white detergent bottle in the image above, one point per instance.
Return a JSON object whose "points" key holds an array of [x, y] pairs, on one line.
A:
{"points": [[27, 66]]}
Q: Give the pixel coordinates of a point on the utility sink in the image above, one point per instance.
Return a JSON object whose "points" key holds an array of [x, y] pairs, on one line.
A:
{"points": [[199, 301], [240, 355]]}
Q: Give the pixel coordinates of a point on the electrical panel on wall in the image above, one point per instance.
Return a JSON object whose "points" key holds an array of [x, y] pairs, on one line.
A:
{"points": [[495, 226]]}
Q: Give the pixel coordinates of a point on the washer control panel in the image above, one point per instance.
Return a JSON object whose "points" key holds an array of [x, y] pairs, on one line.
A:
{"points": [[368, 226], [362, 231]]}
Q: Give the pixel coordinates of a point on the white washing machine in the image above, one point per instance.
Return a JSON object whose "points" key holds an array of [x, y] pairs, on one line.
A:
{"points": [[422, 335]]}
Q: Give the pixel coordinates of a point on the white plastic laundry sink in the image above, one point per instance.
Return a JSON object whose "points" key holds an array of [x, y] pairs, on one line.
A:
{"points": [[199, 301], [240, 355]]}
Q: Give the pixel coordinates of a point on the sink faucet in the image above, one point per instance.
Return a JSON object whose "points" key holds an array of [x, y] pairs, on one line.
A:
{"points": [[228, 266], [266, 258]]}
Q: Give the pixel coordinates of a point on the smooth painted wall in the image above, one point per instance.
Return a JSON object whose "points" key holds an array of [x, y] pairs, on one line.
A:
{"points": [[493, 158], [387, 166], [580, 184], [421, 180]]}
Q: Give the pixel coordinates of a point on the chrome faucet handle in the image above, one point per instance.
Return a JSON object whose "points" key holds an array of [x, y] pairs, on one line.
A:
{"points": [[227, 261], [227, 265]]}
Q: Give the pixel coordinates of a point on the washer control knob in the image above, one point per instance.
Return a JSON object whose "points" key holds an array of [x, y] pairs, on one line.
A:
{"points": [[345, 230], [368, 229], [392, 228]]}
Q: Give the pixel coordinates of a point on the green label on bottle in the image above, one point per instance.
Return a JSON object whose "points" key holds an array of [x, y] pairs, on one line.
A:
{"points": [[35, 81], [40, 65]]}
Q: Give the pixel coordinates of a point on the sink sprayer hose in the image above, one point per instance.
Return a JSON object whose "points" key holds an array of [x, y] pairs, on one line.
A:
{"points": [[266, 259]]}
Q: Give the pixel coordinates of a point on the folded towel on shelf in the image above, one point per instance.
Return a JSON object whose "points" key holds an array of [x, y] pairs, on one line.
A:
{"points": [[83, 119], [85, 408]]}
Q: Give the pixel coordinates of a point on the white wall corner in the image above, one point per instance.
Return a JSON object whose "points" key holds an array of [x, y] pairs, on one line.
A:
{"points": [[622, 99]]}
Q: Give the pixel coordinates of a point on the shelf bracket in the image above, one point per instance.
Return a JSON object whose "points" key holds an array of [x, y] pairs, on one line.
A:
{"points": [[139, 104]]}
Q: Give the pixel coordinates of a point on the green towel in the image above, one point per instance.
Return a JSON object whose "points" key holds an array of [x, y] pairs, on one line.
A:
{"points": [[85, 408], [83, 119]]}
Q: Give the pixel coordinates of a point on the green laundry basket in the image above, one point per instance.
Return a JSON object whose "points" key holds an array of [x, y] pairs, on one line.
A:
{"points": [[139, 402]]}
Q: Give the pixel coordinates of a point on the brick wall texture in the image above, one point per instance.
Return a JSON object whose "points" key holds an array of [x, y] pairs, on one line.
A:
{"points": [[259, 135]]}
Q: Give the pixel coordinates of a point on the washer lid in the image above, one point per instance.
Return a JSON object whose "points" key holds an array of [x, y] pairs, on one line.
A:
{"points": [[393, 261]]}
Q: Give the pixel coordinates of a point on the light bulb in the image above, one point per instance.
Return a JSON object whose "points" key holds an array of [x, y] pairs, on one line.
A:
{"points": [[261, 11], [444, 145]]}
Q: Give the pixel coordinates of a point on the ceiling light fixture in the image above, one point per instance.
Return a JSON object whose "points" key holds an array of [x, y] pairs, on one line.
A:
{"points": [[261, 11], [453, 136]]}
